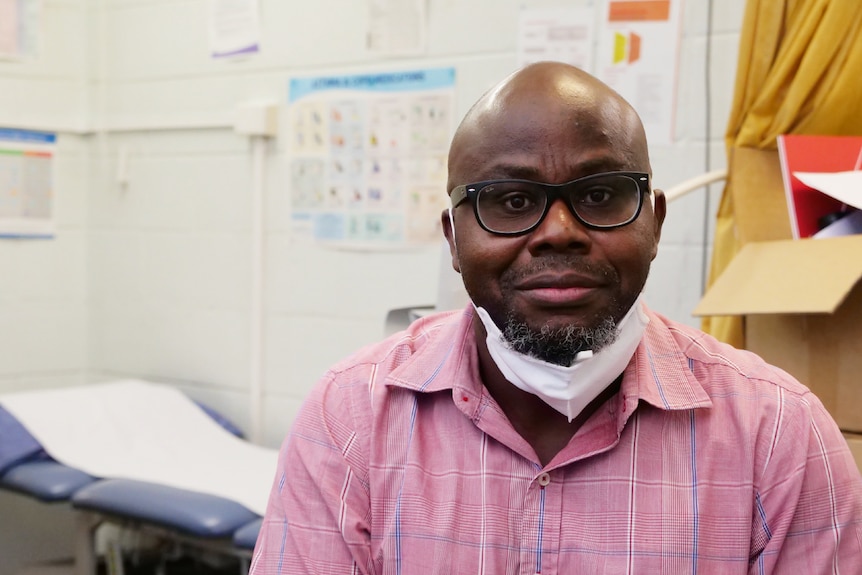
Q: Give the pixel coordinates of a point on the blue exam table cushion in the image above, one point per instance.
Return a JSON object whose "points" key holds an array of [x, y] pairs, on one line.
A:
{"points": [[17, 443], [246, 536], [45, 480], [190, 512]]}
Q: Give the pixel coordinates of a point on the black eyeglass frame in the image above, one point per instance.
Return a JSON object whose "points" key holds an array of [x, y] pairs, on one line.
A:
{"points": [[553, 192]]}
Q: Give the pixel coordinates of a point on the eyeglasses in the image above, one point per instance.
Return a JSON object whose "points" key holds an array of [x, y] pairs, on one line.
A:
{"points": [[512, 207]]}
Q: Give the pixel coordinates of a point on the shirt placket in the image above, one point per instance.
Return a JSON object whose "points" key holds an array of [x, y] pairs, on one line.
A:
{"points": [[540, 542]]}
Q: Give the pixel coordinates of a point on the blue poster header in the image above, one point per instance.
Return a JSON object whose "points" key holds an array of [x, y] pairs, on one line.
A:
{"points": [[383, 82], [27, 136]]}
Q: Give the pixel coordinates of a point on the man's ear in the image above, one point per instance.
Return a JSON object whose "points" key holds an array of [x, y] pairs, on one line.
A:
{"points": [[659, 209], [449, 231]]}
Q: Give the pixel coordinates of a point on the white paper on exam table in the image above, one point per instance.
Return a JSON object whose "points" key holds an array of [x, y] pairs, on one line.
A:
{"points": [[140, 430]]}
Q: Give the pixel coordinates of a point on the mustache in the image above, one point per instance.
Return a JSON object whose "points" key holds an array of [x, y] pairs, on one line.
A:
{"points": [[559, 262]]}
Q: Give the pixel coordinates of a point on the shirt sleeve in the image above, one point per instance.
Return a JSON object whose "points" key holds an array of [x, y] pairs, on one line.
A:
{"points": [[318, 514], [809, 501]]}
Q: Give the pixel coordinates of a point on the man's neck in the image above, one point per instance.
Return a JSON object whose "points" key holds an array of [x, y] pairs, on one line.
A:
{"points": [[546, 430]]}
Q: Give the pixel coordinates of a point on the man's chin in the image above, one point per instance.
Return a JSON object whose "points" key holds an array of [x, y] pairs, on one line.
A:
{"points": [[559, 345]]}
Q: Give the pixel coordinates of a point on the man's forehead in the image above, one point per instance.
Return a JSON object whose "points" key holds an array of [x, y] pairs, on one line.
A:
{"points": [[566, 149], [522, 121], [547, 114]]}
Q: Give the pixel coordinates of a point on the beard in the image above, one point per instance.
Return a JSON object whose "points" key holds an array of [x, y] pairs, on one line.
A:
{"points": [[559, 346]]}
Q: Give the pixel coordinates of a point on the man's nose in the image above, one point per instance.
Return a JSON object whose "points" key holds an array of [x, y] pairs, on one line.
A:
{"points": [[560, 230]]}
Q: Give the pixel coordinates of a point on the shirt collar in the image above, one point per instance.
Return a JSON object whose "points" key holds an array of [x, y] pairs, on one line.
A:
{"points": [[444, 353], [659, 372]]}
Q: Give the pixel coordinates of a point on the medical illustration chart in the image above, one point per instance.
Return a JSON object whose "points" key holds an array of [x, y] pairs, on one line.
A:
{"points": [[367, 157], [19, 28], [638, 56], [559, 34], [26, 183]]}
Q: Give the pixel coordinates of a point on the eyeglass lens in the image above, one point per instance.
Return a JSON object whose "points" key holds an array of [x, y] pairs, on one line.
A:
{"points": [[512, 206]]}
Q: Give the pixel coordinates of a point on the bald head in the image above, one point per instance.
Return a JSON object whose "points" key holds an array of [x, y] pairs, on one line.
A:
{"points": [[530, 108], [553, 274]]}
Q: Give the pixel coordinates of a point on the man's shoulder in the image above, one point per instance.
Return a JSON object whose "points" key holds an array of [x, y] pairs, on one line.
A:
{"points": [[427, 335], [722, 363], [382, 378]]}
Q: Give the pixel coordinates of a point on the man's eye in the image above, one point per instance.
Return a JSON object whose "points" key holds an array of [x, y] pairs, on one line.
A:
{"points": [[597, 195], [516, 201]]}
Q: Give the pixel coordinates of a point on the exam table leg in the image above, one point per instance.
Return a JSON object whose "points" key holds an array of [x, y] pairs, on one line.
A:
{"points": [[85, 543]]}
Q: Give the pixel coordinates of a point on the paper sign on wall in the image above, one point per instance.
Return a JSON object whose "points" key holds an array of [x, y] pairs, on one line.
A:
{"points": [[20, 23], [562, 35], [26, 183], [639, 58], [367, 157], [234, 27], [396, 27]]}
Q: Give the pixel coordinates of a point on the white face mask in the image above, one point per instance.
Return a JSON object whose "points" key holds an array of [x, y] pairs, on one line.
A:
{"points": [[568, 389]]}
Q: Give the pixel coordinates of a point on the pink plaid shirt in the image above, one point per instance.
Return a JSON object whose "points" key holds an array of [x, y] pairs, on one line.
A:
{"points": [[707, 461]]}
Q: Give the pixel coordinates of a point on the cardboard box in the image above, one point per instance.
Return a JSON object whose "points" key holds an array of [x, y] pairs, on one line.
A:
{"points": [[801, 299], [855, 443]]}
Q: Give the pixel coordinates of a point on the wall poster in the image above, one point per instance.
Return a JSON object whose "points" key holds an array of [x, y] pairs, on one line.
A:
{"points": [[367, 157], [26, 183]]}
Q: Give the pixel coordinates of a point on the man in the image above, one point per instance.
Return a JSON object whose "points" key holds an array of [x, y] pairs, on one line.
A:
{"points": [[557, 425]]}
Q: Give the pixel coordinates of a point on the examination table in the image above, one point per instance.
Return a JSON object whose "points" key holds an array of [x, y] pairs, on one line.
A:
{"points": [[182, 509]]}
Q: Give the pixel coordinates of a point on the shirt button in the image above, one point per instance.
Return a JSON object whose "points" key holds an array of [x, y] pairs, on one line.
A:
{"points": [[544, 479]]}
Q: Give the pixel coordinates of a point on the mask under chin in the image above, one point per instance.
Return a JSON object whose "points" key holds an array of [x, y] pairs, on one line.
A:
{"points": [[569, 387]]}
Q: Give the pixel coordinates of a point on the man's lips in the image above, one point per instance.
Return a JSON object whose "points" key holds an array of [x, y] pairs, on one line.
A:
{"points": [[558, 289], [565, 280]]}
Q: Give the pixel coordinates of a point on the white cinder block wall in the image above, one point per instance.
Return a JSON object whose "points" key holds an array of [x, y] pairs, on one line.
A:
{"points": [[152, 279], [43, 283]]}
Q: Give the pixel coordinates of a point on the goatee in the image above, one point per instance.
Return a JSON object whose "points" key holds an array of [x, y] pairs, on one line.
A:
{"points": [[559, 346]]}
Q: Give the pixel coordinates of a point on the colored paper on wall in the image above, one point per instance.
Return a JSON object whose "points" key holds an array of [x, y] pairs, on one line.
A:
{"points": [[26, 183], [638, 56], [639, 11]]}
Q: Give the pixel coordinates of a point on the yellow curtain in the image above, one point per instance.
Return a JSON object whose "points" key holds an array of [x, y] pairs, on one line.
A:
{"points": [[799, 72]]}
